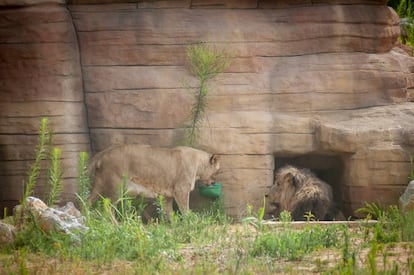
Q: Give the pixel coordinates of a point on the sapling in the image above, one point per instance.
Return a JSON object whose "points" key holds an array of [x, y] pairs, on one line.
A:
{"points": [[205, 63]]}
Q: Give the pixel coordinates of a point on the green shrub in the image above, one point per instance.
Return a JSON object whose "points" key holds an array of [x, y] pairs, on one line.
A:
{"points": [[393, 225], [44, 140], [405, 9]]}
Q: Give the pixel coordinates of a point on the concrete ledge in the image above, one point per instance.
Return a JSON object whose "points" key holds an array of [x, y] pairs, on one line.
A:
{"points": [[302, 224]]}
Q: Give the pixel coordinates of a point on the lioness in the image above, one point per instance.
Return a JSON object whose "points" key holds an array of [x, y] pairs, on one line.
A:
{"points": [[151, 172]]}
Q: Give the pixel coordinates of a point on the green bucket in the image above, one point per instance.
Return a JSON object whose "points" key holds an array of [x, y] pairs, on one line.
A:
{"points": [[212, 191]]}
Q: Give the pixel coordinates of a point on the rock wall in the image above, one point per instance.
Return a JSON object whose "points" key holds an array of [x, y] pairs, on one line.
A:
{"points": [[311, 83], [40, 76]]}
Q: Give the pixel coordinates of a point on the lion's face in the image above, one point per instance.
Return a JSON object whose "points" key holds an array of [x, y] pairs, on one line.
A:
{"points": [[273, 199], [282, 191]]}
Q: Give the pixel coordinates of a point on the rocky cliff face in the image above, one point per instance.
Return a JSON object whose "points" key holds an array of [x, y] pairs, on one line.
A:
{"points": [[311, 83], [40, 75]]}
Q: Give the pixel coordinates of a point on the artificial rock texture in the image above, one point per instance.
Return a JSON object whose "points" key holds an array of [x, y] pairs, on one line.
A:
{"points": [[40, 76], [311, 83]]}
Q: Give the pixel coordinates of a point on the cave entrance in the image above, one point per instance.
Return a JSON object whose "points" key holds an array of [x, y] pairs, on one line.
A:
{"points": [[328, 168]]}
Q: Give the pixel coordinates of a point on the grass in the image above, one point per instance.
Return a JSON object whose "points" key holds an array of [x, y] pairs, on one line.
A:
{"points": [[209, 242], [204, 243], [294, 245]]}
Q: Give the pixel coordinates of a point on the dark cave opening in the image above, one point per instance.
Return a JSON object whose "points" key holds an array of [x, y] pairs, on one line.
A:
{"points": [[328, 168]]}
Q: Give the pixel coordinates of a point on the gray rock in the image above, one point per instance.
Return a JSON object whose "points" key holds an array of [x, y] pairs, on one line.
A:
{"points": [[65, 220]]}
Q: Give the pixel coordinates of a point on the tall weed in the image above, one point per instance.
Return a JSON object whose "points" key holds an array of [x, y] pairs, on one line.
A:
{"points": [[44, 140], [40, 154], [43, 150], [55, 174], [84, 184]]}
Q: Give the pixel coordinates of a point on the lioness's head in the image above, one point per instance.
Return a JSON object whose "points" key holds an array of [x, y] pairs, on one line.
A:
{"points": [[208, 171]]}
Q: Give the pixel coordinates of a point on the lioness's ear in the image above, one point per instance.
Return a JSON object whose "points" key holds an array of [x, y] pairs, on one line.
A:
{"points": [[214, 160]]}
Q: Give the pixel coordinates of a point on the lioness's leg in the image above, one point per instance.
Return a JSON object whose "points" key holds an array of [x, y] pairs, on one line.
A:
{"points": [[92, 197], [182, 200], [96, 191], [168, 207]]}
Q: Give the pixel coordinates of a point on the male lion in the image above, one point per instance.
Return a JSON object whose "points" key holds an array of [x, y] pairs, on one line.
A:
{"points": [[150, 172], [299, 191]]}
